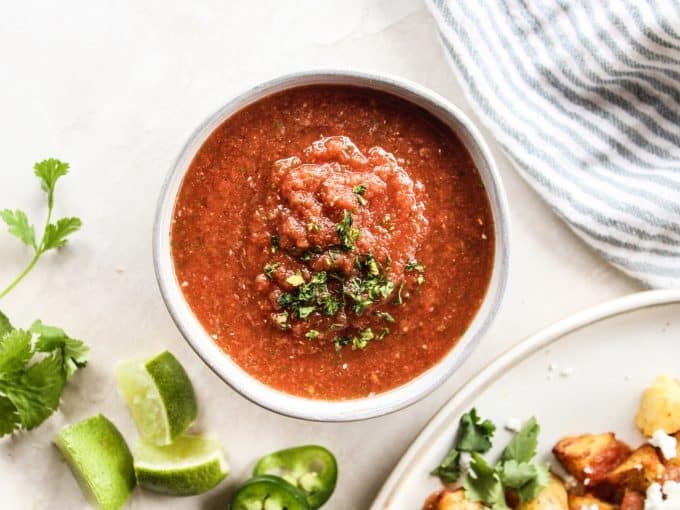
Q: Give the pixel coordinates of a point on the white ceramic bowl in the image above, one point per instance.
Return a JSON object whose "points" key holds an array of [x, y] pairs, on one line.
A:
{"points": [[324, 410]]}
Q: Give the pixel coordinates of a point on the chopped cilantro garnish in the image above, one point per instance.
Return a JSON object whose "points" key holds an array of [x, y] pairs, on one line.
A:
{"points": [[341, 341], [361, 341], [385, 315], [305, 311], [275, 243], [313, 227], [359, 191], [281, 320], [383, 333], [400, 300], [329, 305], [312, 334], [347, 234], [414, 265], [295, 280], [270, 268]]}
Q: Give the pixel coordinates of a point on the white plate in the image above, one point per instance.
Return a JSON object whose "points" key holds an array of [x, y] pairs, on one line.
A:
{"points": [[608, 353]]}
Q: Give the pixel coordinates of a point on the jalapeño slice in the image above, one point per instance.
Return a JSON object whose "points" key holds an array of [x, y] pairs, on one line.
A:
{"points": [[268, 493], [312, 469]]}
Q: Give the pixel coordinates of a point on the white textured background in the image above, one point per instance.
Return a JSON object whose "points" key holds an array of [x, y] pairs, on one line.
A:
{"points": [[115, 88]]}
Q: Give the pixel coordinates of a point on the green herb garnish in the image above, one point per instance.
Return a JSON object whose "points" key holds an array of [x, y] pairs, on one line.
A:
{"points": [[359, 191], [347, 234], [275, 240], [361, 341], [270, 268], [341, 341], [400, 300], [414, 265], [383, 333], [515, 471], [386, 316], [473, 435], [35, 364], [55, 235], [312, 334]]}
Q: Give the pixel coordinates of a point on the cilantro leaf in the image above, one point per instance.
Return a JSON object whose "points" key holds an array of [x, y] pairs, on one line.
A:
{"points": [[18, 224], [522, 447], [516, 474], [448, 470], [56, 234], [531, 489], [49, 171], [15, 352], [36, 392], [483, 484], [74, 352], [9, 419], [474, 435], [5, 325]]}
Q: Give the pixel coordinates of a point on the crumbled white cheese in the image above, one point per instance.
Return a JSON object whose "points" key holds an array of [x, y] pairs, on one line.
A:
{"points": [[513, 424], [344, 366], [586, 481], [667, 444], [588, 470], [654, 499], [465, 460]]}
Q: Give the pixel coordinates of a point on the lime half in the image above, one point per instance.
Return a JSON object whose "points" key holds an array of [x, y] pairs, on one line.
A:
{"points": [[191, 465], [160, 396], [100, 461]]}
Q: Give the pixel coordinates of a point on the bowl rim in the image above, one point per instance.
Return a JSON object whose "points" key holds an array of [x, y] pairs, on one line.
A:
{"points": [[333, 410]]}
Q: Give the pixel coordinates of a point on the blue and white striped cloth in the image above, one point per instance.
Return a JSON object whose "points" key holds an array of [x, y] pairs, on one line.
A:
{"points": [[584, 96]]}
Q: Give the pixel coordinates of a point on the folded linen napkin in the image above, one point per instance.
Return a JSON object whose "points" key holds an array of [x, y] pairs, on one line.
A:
{"points": [[584, 97]]}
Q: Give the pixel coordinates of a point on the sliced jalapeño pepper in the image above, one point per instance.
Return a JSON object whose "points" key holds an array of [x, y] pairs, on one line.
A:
{"points": [[268, 493], [312, 469]]}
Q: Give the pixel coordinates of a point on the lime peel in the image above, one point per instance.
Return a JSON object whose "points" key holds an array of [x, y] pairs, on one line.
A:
{"points": [[160, 397], [100, 461], [190, 465]]}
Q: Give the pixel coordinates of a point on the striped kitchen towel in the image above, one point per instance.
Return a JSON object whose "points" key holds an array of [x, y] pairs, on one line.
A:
{"points": [[584, 97]]}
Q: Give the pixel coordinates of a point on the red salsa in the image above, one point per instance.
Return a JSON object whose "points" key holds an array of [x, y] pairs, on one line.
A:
{"points": [[334, 241]]}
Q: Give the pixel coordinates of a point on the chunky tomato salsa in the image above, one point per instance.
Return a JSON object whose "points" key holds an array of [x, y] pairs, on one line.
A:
{"points": [[334, 241]]}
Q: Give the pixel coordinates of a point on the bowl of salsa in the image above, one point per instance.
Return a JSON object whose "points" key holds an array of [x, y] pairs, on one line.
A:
{"points": [[333, 244]]}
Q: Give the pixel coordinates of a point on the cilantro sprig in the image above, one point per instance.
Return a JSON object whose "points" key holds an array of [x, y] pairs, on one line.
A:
{"points": [[474, 435], [54, 235], [515, 471], [36, 363]]}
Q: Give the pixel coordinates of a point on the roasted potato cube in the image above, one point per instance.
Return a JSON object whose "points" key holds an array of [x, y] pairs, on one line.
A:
{"points": [[552, 497], [636, 473], [591, 456], [632, 500], [588, 502], [660, 407], [451, 500]]}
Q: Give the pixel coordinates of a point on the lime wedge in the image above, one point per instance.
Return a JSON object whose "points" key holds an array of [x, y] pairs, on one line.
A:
{"points": [[190, 465], [100, 461], [160, 396]]}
